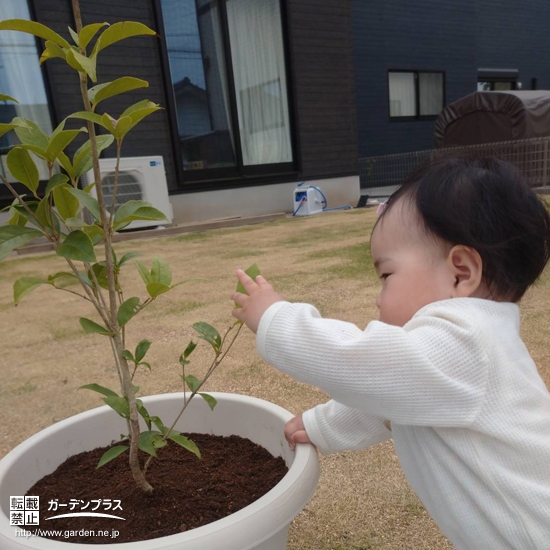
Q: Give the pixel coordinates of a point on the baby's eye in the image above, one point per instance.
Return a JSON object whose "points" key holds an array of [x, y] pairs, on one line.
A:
{"points": [[384, 276]]}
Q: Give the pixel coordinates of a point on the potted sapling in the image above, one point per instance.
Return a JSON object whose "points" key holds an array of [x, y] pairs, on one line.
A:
{"points": [[141, 445]]}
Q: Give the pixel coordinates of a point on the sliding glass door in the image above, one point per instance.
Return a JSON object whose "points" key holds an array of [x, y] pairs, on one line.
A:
{"points": [[230, 89]]}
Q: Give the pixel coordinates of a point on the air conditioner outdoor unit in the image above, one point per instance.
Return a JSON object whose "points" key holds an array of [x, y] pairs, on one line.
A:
{"points": [[139, 178]]}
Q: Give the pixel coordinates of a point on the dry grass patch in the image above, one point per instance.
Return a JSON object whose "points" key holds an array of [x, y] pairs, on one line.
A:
{"points": [[363, 501]]}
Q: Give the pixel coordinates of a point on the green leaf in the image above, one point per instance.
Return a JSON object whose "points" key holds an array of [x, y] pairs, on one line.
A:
{"points": [[82, 63], [64, 161], [145, 364], [209, 399], [123, 126], [32, 27], [16, 219], [90, 327], [143, 272], [51, 51], [156, 289], [189, 349], [185, 443], [95, 232], [74, 36], [128, 256], [22, 167], [193, 382], [24, 285], [127, 310], [139, 114], [16, 123], [44, 213], [128, 355], [87, 201], [145, 444], [149, 441], [161, 272], [100, 271], [116, 87], [120, 31], [143, 104], [99, 389], [144, 413], [159, 424], [77, 246], [119, 405], [60, 141], [209, 333], [63, 279], [88, 32], [136, 210], [55, 181], [29, 133], [108, 122], [253, 271], [141, 349], [82, 159], [112, 453], [86, 115], [67, 205], [14, 236], [4, 97]]}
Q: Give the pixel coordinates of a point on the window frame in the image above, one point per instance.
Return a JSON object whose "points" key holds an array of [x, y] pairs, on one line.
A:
{"points": [[238, 175], [416, 73], [492, 76]]}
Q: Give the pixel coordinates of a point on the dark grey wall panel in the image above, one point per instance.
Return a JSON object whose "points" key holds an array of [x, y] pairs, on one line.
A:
{"points": [[512, 34], [322, 53], [437, 35]]}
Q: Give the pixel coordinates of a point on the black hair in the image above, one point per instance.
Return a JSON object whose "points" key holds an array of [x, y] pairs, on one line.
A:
{"points": [[487, 205]]}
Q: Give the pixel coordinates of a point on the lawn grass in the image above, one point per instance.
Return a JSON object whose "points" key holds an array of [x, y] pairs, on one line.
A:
{"points": [[363, 501]]}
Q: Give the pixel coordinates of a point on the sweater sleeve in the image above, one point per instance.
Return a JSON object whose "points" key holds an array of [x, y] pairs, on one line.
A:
{"points": [[333, 427], [431, 372]]}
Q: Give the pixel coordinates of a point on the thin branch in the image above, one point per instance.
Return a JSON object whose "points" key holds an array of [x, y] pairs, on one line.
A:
{"points": [[217, 360], [90, 294], [97, 286], [115, 183], [25, 206], [73, 292]]}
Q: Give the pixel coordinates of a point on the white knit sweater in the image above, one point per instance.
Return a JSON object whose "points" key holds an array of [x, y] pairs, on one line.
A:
{"points": [[470, 414]]}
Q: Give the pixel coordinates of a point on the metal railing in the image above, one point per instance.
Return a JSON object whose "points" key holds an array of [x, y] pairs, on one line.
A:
{"points": [[379, 176]]}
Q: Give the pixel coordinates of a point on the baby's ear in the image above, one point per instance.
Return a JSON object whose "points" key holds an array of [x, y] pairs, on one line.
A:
{"points": [[467, 268]]}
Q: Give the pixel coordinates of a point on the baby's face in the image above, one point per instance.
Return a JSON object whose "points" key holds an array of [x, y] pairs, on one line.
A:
{"points": [[413, 269]]}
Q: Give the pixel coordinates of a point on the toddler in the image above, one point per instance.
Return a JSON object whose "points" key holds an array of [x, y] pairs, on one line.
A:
{"points": [[456, 248]]}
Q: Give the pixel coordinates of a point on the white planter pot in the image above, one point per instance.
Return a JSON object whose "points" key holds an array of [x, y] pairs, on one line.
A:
{"points": [[262, 525]]}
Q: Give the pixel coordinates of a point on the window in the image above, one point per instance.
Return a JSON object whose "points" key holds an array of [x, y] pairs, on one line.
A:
{"points": [[21, 78], [497, 80], [228, 74], [416, 94]]}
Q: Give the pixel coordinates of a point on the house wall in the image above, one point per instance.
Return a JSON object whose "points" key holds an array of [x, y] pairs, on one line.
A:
{"points": [[320, 47], [455, 36], [434, 35], [321, 43], [512, 34]]}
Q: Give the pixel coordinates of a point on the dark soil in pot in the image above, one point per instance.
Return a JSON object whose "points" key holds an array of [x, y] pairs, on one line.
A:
{"points": [[189, 492]]}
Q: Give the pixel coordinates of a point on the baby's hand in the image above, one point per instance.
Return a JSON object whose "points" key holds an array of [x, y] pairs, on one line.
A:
{"points": [[295, 432], [260, 297]]}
